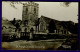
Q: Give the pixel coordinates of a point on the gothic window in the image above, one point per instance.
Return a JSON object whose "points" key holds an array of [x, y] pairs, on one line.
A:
{"points": [[41, 26], [34, 10]]}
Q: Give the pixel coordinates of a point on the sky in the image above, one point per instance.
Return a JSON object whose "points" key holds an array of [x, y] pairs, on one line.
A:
{"points": [[54, 10]]}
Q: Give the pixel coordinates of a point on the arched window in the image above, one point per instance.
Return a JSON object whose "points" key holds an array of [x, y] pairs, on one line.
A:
{"points": [[41, 26]]}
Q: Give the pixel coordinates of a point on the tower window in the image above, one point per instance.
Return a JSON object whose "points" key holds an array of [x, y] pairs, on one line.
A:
{"points": [[34, 10], [26, 10]]}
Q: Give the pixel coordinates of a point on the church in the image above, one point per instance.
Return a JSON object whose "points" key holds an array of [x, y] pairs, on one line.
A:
{"points": [[30, 20], [31, 24]]}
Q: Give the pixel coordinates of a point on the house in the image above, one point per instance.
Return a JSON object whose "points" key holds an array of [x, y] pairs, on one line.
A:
{"points": [[7, 26], [8, 29]]}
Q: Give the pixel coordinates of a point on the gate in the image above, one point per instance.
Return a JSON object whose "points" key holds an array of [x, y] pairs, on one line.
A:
{"points": [[25, 35]]}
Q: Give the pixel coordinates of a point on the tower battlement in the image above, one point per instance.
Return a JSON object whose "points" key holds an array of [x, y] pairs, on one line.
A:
{"points": [[30, 3]]}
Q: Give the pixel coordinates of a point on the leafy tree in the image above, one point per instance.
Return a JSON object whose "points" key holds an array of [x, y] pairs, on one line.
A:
{"points": [[17, 25], [76, 28], [51, 26], [13, 21]]}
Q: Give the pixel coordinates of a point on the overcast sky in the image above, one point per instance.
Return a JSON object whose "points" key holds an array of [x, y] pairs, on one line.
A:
{"points": [[54, 10]]}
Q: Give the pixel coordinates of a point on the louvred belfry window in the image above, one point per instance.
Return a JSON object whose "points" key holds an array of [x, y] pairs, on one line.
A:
{"points": [[26, 10], [34, 10]]}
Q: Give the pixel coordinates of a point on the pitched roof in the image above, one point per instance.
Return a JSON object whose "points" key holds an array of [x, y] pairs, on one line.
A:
{"points": [[69, 25], [47, 20], [7, 23]]}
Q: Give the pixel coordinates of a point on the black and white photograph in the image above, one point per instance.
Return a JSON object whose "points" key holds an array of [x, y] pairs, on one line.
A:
{"points": [[37, 25]]}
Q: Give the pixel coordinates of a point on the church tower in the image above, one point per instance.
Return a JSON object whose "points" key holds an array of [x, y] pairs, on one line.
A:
{"points": [[30, 13]]}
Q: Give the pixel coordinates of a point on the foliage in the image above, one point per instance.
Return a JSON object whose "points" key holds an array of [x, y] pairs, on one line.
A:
{"points": [[51, 26]]}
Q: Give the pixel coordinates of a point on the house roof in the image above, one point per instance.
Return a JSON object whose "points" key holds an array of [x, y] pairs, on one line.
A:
{"points": [[7, 23], [69, 25]]}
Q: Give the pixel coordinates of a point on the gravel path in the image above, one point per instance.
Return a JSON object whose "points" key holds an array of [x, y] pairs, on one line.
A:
{"points": [[32, 45]]}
